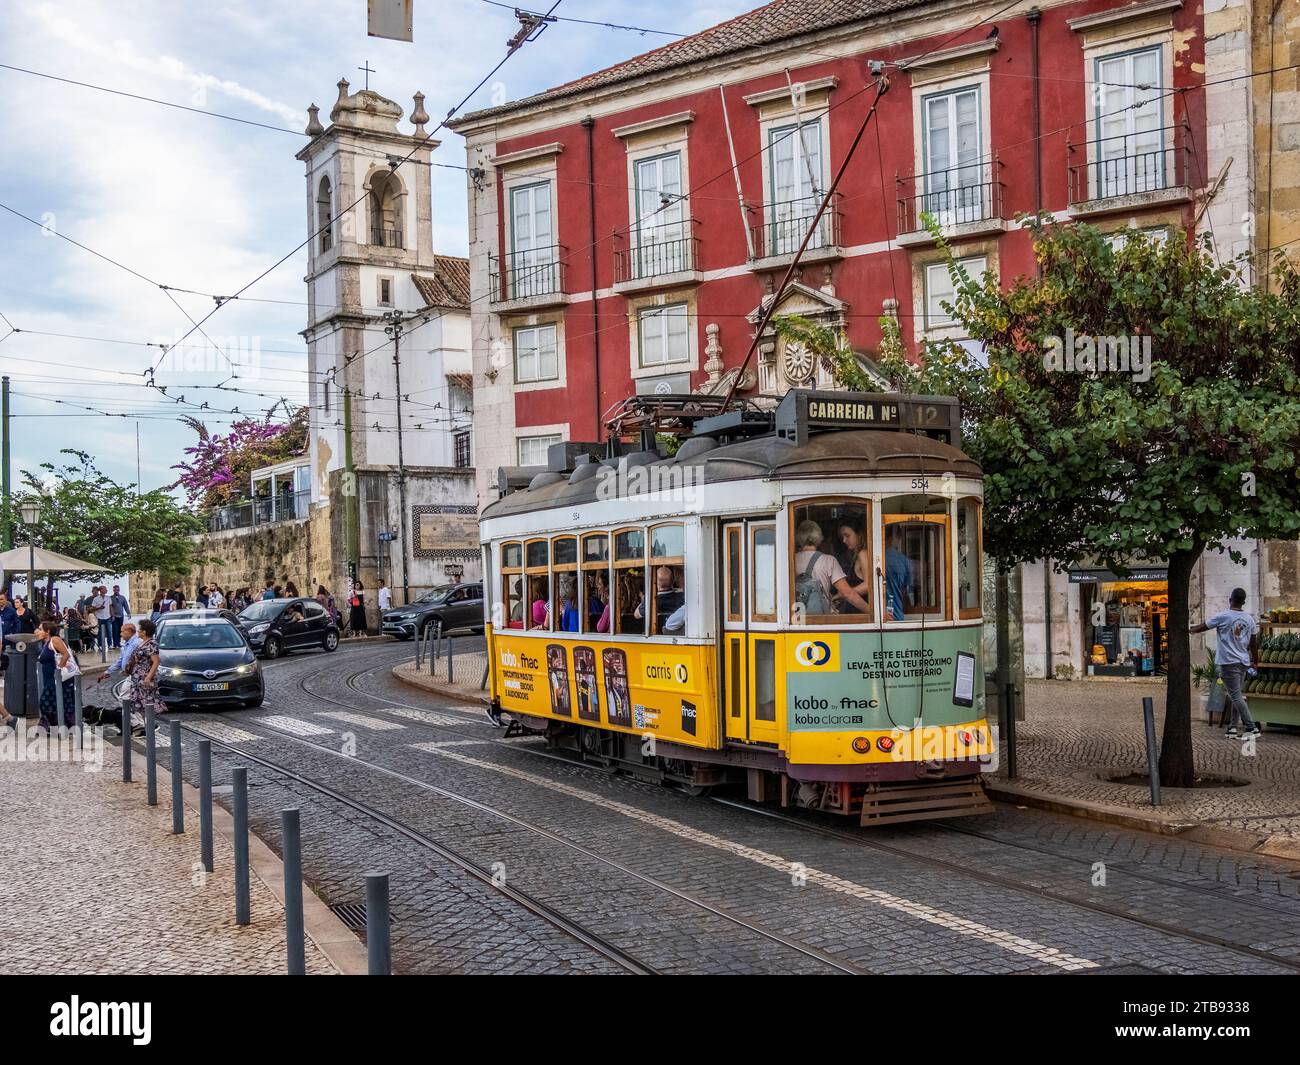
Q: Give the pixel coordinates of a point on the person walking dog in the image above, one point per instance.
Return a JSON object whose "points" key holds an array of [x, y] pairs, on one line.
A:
{"points": [[1238, 651]]}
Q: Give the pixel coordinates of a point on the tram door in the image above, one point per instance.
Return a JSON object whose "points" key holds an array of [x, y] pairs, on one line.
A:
{"points": [[749, 630]]}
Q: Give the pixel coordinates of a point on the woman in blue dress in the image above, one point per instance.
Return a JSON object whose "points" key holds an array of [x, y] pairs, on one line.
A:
{"points": [[53, 658]]}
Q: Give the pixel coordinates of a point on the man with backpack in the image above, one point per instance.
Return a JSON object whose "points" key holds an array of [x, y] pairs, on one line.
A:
{"points": [[1237, 654], [819, 576]]}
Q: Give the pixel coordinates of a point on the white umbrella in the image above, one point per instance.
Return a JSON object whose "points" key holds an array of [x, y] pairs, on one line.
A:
{"points": [[42, 560]]}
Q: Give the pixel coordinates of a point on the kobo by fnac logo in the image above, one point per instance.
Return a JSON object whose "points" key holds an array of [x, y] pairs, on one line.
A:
{"points": [[121, 1020], [813, 653]]}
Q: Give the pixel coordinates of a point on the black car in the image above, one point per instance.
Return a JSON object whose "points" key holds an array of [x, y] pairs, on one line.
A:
{"points": [[206, 660], [274, 626], [456, 606]]}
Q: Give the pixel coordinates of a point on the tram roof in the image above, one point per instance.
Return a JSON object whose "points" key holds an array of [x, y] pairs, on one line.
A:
{"points": [[845, 453]]}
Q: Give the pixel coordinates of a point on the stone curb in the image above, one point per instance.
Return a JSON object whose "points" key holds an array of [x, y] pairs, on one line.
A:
{"points": [[1153, 821], [431, 684], [331, 936]]}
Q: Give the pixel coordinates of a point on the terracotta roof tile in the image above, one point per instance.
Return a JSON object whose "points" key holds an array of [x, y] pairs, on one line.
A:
{"points": [[449, 285], [777, 21]]}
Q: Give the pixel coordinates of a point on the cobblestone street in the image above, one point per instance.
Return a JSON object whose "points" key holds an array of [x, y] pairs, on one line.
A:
{"points": [[505, 858]]}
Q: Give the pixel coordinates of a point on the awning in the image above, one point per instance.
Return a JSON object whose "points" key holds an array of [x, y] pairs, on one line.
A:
{"points": [[1105, 576], [41, 560]]}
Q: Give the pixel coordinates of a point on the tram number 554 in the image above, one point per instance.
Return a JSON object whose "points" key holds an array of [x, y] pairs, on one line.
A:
{"points": [[921, 484]]}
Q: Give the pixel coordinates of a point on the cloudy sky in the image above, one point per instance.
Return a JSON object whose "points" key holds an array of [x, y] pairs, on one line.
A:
{"points": [[195, 202]]}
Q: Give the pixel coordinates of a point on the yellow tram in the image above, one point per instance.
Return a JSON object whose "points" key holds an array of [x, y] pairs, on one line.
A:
{"points": [[792, 600]]}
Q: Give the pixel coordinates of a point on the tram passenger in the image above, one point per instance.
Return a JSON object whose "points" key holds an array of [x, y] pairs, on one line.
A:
{"points": [[855, 547], [569, 603], [631, 597], [818, 576], [597, 602], [668, 596], [516, 601], [898, 575], [539, 597]]}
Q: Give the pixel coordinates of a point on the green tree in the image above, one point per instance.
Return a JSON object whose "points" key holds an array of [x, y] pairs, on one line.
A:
{"points": [[1093, 464], [88, 515]]}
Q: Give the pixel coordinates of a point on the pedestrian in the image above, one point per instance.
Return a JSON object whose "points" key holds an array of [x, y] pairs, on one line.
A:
{"points": [[290, 589], [119, 608], [89, 629], [178, 599], [357, 610], [216, 598], [130, 641], [277, 592], [327, 601], [385, 596], [269, 591], [8, 624], [26, 618], [201, 597], [239, 602], [101, 605], [1237, 652], [56, 657], [142, 667]]}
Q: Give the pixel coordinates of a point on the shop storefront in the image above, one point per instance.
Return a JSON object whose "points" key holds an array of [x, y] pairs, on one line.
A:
{"points": [[1125, 620]]}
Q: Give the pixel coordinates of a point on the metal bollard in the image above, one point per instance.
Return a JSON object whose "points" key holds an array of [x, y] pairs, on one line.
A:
{"points": [[126, 740], [178, 782], [239, 781], [1009, 701], [378, 948], [291, 843], [205, 803], [150, 758], [77, 713], [451, 660], [1153, 753]]}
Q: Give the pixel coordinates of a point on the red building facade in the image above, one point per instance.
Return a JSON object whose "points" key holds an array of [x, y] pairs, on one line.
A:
{"points": [[626, 228]]}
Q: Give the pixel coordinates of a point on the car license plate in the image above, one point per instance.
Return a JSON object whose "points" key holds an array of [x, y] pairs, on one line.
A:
{"points": [[220, 686]]}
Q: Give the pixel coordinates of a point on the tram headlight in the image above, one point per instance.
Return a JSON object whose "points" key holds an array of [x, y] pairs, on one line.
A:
{"points": [[862, 744], [966, 737], [885, 743]]}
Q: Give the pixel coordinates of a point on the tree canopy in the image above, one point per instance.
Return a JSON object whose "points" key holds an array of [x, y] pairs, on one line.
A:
{"points": [[1185, 444]]}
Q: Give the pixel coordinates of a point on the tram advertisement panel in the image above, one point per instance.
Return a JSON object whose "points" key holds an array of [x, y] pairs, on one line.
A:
{"points": [[557, 670], [618, 697], [661, 689], [837, 681], [584, 672]]}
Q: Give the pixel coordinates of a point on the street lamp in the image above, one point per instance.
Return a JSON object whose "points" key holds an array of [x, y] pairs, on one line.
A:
{"points": [[395, 327], [29, 513]]}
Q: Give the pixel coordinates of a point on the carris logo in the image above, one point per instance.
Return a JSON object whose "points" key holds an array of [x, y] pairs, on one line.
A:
{"points": [[813, 653]]}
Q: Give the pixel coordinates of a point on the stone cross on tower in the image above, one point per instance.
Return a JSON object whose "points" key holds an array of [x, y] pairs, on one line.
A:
{"points": [[368, 70]]}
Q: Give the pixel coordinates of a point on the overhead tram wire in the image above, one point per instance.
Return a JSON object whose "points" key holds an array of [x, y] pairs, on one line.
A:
{"points": [[512, 49]]}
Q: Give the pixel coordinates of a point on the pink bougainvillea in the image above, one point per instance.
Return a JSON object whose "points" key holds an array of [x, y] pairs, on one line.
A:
{"points": [[220, 464]]}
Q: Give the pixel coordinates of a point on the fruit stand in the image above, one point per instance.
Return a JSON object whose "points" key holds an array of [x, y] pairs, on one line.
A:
{"points": [[1274, 694]]}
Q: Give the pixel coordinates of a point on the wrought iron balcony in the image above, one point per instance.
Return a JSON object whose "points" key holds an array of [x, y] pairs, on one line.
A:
{"points": [[1152, 164], [961, 197], [657, 251], [386, 238], [282, 506], [535, 276], [786, 223]]}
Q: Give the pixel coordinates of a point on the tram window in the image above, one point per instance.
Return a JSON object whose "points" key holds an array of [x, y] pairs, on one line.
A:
{"points": [[762, 564], [668, 564], [595, 576], [968, 558], [511, 556], [734, 584], [630, 601], [539, 601], [916, 557], [737, 678], [764, 680], [831, 565], [513, 600], [537, 551], [564, 564], [629, 545], [595, 548]]}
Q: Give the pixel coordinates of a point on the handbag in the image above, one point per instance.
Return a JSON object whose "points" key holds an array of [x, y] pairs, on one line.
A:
{"points": [[72, 669]]}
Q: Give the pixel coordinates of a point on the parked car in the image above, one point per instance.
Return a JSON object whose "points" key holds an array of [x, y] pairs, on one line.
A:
{"points": [[274, 626], [200, 612], [456, 606], [206, 660]]}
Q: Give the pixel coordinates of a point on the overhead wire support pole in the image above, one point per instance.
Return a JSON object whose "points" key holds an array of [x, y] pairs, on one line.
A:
{"points": [[882, 86]]}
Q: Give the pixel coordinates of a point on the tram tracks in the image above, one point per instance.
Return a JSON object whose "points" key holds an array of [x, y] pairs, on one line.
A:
{"points": [[991, 878], [531, 903]]}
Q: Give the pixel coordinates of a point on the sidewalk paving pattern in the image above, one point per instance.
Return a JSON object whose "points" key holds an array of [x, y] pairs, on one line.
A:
{"points": [[104, 886], [1078, 733]]}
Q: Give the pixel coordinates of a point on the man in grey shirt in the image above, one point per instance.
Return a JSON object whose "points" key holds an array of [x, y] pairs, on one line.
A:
{"points": [[1238, 651]]}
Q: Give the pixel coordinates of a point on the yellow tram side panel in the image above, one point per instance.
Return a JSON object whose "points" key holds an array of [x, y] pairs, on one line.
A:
{"points": [[664, 690]]}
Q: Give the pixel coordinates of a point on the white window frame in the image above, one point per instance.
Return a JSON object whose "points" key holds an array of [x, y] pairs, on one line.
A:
{"points": [[379, 293], [660, 312], [1102, 183], [954, 202], [970, 263], [654, 225], [535, 328], [533, 438], [529, 270]]}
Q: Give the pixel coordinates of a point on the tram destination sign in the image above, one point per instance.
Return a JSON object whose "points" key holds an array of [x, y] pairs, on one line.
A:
{"points": [[803, 412]]}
